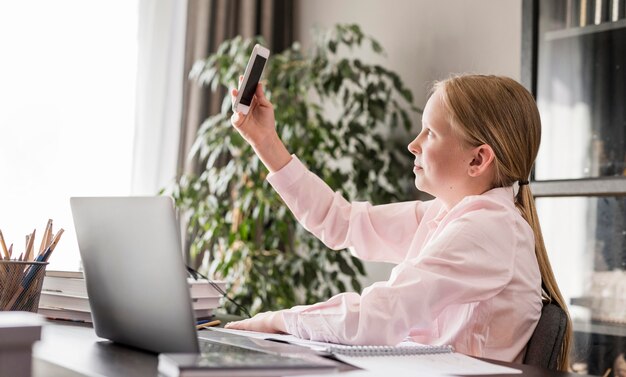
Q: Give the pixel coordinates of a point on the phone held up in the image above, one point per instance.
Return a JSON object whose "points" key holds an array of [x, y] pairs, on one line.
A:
{"points": [[251, 78]]}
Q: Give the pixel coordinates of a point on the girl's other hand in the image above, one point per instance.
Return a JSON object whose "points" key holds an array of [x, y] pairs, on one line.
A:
{"points": [[271, 322], [258, 127]]}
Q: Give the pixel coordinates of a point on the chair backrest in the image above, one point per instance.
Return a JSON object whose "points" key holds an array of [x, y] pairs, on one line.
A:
{"points": [[545, 343]]}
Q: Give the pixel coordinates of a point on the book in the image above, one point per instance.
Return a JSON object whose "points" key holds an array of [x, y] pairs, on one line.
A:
{"points": [[203, 313], [64, 301], [65, 314], [19, 330], [65, 274], [70, 286], [233, 363], [205, 303], [75, 307], [202, 288], [73, 283]]}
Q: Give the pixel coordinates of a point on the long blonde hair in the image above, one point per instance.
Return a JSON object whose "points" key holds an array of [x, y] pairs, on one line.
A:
{"points": [[500, 112]]}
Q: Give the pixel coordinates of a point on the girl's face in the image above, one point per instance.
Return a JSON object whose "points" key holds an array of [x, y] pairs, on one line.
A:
{"points": [[442, 159]]}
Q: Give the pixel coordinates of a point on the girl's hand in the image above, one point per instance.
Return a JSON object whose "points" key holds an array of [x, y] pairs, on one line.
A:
{"points": [[258, 127], [271, 322]]}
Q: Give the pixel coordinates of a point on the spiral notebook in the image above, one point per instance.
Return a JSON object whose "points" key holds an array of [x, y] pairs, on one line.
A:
{"points": [[402, 349], [399, 350], [407, 356]]}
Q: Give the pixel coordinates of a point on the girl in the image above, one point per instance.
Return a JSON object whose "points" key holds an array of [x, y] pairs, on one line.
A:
{"points": [[471, 266]]}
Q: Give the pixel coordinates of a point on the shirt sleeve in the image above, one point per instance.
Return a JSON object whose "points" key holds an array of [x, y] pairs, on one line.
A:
{"points": [[464, 264], [377, 233]]}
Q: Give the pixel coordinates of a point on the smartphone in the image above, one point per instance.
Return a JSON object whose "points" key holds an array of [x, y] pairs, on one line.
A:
{"points": [[251, 78]]}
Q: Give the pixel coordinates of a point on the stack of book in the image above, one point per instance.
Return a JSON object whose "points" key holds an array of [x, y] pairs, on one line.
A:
{"points": [[64, 296], [18, 331], [206, 297]]}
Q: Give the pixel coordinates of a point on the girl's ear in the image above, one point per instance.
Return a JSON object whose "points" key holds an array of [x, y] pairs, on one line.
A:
{"points": [[482, 161]]}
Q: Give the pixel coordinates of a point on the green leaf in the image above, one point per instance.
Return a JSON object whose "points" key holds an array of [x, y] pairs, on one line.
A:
{"points": [[356, 286], [344, 267], [333, 113], [332, 46], [377, 47], [358, 264], [407, 95]]}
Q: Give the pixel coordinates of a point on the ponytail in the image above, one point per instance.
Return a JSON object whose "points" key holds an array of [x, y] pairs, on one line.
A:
{"points": [[500, 112], [525, 202]]}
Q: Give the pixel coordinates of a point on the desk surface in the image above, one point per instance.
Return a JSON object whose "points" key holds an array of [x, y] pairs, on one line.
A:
{"points": [[73, 350]]}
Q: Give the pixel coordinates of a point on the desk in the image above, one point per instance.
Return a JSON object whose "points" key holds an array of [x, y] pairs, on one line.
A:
{"points": [[73, 350]]}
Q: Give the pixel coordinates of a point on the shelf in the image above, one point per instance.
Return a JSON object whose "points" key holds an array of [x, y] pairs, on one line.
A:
{"points": [[602, 186], [596, 327], [578, 31]]}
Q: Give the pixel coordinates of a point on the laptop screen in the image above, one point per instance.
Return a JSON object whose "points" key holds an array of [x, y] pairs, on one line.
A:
{"points": [[133, 264]]}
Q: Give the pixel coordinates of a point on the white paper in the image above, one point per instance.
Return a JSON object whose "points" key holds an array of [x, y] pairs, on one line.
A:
{"points": [[399, 366], [443, 363], [312, 344], [367, 373], [317, 346]]}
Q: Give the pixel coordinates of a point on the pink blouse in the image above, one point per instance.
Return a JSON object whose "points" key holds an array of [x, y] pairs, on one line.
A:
{"points": [[466, 277]]}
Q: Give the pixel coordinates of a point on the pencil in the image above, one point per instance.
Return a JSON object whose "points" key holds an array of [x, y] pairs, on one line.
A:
{"points": [[208, 324], [50, 249], [30, 241], [45, 238], [4, 246]]}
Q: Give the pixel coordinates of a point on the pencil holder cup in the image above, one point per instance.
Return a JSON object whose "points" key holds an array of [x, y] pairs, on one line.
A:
{"points": [[20, 284]]}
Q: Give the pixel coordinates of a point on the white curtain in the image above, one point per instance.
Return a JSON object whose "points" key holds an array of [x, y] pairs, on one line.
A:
{"points": [[160, 75]]}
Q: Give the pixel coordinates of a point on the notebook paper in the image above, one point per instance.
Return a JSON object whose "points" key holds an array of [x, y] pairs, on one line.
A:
{"points": [[404, 348], [431, 363]]}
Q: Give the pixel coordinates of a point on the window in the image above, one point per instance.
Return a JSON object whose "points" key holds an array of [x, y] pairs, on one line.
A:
{"points": [[67, 108], [580, 174]]}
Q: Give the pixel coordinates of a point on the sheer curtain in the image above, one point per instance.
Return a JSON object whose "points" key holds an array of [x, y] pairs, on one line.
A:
{"points": [[172, 36], [67, 81], [160, 76], [209, 23]]}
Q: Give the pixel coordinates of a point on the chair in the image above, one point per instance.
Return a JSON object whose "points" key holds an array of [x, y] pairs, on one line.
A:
{"points": [[545, 343]]}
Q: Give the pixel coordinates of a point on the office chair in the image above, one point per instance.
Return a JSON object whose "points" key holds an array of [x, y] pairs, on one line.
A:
{"points": [[545, 343]]}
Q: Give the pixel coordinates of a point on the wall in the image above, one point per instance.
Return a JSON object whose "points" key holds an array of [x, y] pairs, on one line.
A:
{"points": [[426, 40]]}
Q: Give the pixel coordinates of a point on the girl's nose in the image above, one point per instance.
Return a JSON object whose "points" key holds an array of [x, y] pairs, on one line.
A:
{"points": [[414, 146]]}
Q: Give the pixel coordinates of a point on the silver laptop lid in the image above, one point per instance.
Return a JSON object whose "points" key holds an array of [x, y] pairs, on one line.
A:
{"points": [[134, 270]]}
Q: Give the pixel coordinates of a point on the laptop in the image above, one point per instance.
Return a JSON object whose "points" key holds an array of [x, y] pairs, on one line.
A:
{"points": [[136, 278]]}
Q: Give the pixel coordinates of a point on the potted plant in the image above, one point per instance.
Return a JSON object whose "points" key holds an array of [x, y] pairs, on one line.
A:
{"points": [[233, 216]]}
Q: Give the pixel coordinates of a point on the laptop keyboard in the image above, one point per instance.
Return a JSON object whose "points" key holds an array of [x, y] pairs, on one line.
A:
{"points": [[207, 346], [244, 360]]}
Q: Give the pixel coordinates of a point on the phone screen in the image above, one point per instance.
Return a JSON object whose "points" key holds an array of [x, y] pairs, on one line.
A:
{"points": [[253, 80]]}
